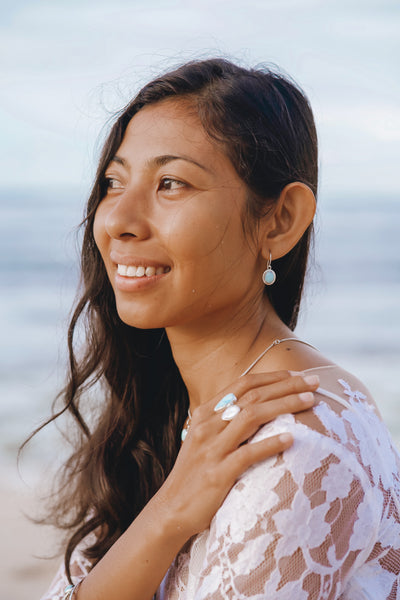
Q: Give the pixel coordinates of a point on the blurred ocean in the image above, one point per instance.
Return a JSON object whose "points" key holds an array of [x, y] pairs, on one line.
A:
{"points": [[351, 312]]}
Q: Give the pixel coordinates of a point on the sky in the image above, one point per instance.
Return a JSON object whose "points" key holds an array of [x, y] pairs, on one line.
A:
{"points": [[66, 65]]}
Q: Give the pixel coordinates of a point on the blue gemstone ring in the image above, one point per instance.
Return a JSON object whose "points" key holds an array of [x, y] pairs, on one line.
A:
{"points": [[226, 401], [69, 592]]}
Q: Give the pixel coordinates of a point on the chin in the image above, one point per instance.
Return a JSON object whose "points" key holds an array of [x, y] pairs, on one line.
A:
{"points": [[140, 322], [140, 319]]}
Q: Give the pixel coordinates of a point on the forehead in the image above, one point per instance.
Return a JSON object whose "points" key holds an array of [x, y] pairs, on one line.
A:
{"points": [[172, 127]]}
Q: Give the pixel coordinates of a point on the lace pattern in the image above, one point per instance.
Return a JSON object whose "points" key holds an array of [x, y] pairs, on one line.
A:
{"points": [[319, 522], [80, 566]]}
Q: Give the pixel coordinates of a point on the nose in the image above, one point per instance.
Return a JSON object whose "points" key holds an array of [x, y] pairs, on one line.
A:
{"points": [[126, 216]]}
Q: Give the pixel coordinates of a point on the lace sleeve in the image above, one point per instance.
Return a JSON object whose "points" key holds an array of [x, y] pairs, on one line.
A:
{"points": [[294, 526], [80, 566]]}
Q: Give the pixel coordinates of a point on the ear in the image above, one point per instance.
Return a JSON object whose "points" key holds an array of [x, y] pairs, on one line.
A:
{"points": [[292, 214]]}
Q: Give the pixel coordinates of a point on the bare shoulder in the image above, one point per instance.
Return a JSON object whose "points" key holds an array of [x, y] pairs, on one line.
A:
{"points": [[294, 355], [340, 390]]}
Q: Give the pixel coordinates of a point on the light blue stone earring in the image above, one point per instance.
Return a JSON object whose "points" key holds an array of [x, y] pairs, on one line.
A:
{"points": [[269, 275]]}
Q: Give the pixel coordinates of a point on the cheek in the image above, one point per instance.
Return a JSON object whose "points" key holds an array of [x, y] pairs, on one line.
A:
{"points": [[99, 232], [202, 235]]}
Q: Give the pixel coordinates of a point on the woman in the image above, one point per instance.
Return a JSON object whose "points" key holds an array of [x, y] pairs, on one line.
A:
{"points": [[194, 255]]}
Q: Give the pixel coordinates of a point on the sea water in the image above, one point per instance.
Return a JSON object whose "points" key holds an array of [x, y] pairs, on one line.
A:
{"points": [[351, 310]]}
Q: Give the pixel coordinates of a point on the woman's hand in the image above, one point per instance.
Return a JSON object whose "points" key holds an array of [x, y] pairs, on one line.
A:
{"points": [[214, 454], [211, 459]]}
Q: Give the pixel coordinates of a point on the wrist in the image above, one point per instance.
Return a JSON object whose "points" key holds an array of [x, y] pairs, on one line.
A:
{"points": [[170, 518]]}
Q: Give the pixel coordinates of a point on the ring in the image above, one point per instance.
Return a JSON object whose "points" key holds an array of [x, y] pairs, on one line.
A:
{"points": [[71, 590], [226, 401], [230, 412]]}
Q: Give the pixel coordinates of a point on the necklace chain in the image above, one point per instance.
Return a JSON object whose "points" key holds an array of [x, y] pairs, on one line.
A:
{"points": [[247, 370]]}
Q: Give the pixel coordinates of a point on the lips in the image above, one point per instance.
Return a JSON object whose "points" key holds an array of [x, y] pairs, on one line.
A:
{"points": [[141, 270]]}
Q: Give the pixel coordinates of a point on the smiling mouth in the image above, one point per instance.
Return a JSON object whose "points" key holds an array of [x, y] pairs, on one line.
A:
{"points": [[141, 271]]}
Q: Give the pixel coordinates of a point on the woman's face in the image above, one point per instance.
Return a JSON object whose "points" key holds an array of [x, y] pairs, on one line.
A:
{"points": [[170, 228]]}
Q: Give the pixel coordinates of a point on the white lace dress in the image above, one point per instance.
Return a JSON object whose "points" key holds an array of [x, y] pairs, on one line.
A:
{"points": [[319, 522]]}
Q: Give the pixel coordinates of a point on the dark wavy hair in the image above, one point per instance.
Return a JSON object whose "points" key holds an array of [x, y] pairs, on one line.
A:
{"points": [[266, 127]]}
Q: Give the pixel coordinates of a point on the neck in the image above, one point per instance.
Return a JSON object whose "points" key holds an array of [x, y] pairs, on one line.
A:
{"points": [[211, 356]]}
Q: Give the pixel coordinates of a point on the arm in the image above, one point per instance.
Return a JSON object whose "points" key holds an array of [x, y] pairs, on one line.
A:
{"points": [[210, 461]]}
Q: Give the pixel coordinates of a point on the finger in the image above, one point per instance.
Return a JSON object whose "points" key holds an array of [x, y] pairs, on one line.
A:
{"points": [[244, 385], [255, 380], [239, 461], [289, 395], [253, 416], [281, 395], [293, 385], [262, 387]]}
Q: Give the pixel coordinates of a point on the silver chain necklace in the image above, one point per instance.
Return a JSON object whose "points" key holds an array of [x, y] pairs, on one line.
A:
{"points": [[186, 426]]}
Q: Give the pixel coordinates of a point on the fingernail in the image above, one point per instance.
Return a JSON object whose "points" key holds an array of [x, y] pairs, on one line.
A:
{"points": [[311, 379], [306, 397], [285, 437]]}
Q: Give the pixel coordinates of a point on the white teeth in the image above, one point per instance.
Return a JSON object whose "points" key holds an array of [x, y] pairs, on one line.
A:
{"points": [[141, 271]]}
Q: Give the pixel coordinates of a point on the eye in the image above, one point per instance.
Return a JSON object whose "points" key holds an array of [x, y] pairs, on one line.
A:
{"points": [[113, 184], [170, 185]]}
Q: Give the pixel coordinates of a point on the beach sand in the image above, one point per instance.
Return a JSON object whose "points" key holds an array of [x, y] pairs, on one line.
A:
{"points": [[23, 575]]}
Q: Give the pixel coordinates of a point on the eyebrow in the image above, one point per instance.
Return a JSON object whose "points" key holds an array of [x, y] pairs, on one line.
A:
{"points": [[160, 161]]}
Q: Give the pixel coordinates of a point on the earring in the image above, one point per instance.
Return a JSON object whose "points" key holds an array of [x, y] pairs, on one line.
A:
{"points": [[269, 275]]}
